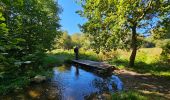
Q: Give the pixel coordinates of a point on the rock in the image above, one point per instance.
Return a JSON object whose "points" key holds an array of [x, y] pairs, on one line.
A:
{"points": [[39, 79]]}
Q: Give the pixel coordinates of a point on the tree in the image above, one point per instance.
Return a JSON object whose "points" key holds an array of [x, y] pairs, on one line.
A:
{"points": [[77, 39], [31, 26], [81, 40], [27, 30], [6, 41], [35, 21], [110, 22], [64, 42]]}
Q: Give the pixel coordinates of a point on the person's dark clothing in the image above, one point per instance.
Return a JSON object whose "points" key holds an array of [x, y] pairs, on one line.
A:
{"points": [[76, 51]]}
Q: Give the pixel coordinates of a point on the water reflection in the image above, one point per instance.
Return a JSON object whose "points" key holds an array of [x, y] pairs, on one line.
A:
{"points": [[77, 70], [77, 83], [69, 83]]}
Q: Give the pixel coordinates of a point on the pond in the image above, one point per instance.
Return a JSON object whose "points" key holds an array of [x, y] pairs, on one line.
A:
{"points": [[69, 83]]}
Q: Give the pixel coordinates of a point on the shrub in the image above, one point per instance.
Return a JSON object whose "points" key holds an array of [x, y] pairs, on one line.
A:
{"points": [[166, 50]]}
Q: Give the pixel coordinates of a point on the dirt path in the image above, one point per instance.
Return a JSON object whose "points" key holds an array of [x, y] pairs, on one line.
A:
{"points": [[154, 87]]}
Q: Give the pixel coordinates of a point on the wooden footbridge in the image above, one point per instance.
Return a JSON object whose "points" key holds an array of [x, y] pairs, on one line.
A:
{"points": [[100, 66]]}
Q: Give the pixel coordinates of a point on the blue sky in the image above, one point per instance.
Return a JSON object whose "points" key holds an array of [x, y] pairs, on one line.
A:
{"points": [[69, 19]]}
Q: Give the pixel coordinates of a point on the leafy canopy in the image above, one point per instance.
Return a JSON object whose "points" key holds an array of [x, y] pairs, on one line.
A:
{"points": [[110, 22]]}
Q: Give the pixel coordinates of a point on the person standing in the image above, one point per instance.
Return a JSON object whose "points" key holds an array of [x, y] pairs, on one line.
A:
{"points": [[76, 51]]}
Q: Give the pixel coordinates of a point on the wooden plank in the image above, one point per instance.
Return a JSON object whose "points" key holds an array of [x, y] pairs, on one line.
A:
{"points": [[100, 65]]}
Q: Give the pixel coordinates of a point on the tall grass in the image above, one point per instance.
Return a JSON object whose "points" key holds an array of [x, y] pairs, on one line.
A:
{"points": [[148, 60], [58, 57]]}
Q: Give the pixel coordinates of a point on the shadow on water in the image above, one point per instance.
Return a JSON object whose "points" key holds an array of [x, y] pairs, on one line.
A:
{"points": [[70, 82]]}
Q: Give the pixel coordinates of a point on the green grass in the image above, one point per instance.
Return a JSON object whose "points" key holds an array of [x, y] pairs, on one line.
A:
{"points": [[16, 78], [148, 60], [128, 95], [50, 60], [137, 95], [58, 57], [13, 84]]}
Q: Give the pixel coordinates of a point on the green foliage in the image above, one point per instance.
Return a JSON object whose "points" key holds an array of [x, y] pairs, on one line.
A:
{"points": [[77, 39], [58, 57], [166, 50], [32, 26], [107, 28], [114, 24], [148, 60], [13, 84], [147, 43], [81, 40], [162, 31], [128, 95], [68, 42], [64, 42], [27, 30], [161, 42], [36, 58], [36, 24]]}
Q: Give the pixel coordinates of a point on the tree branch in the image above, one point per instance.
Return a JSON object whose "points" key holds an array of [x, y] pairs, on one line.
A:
{"points": [[145, 10]]}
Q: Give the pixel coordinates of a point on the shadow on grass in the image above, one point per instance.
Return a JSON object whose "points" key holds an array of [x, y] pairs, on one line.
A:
{"points": [[158, 68], [152, 86], [154, 95], [137, 95]]}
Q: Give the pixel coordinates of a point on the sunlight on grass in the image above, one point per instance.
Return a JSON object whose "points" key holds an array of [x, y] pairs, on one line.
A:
{"points": [[128, 95], [166, 74], [148, 60], [153, 95]]}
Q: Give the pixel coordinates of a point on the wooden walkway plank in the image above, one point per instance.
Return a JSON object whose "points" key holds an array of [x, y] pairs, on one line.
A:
{"points": [[99, 65]]}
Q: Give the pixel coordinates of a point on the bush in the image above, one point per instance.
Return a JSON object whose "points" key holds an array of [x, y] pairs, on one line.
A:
{"points": [[161, 43], [166, 51]]}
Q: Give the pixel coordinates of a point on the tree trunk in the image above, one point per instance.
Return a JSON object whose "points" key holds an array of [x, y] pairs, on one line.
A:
{"points": [[134, 47]]}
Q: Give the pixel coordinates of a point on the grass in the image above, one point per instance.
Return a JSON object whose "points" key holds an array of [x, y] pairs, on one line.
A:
{"points": [[52, 59], [13, 84], [137, 95], [128, 95], [58, 57], [148, 60]]}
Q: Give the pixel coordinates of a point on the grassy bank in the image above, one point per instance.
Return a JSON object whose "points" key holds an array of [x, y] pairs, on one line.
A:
{"points": [[17, 78], [128, 95], [58, 57], [137, 95], [148, 60]]}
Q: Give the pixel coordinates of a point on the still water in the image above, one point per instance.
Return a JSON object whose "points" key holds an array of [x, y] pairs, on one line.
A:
{"points": [[69, 83]]}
